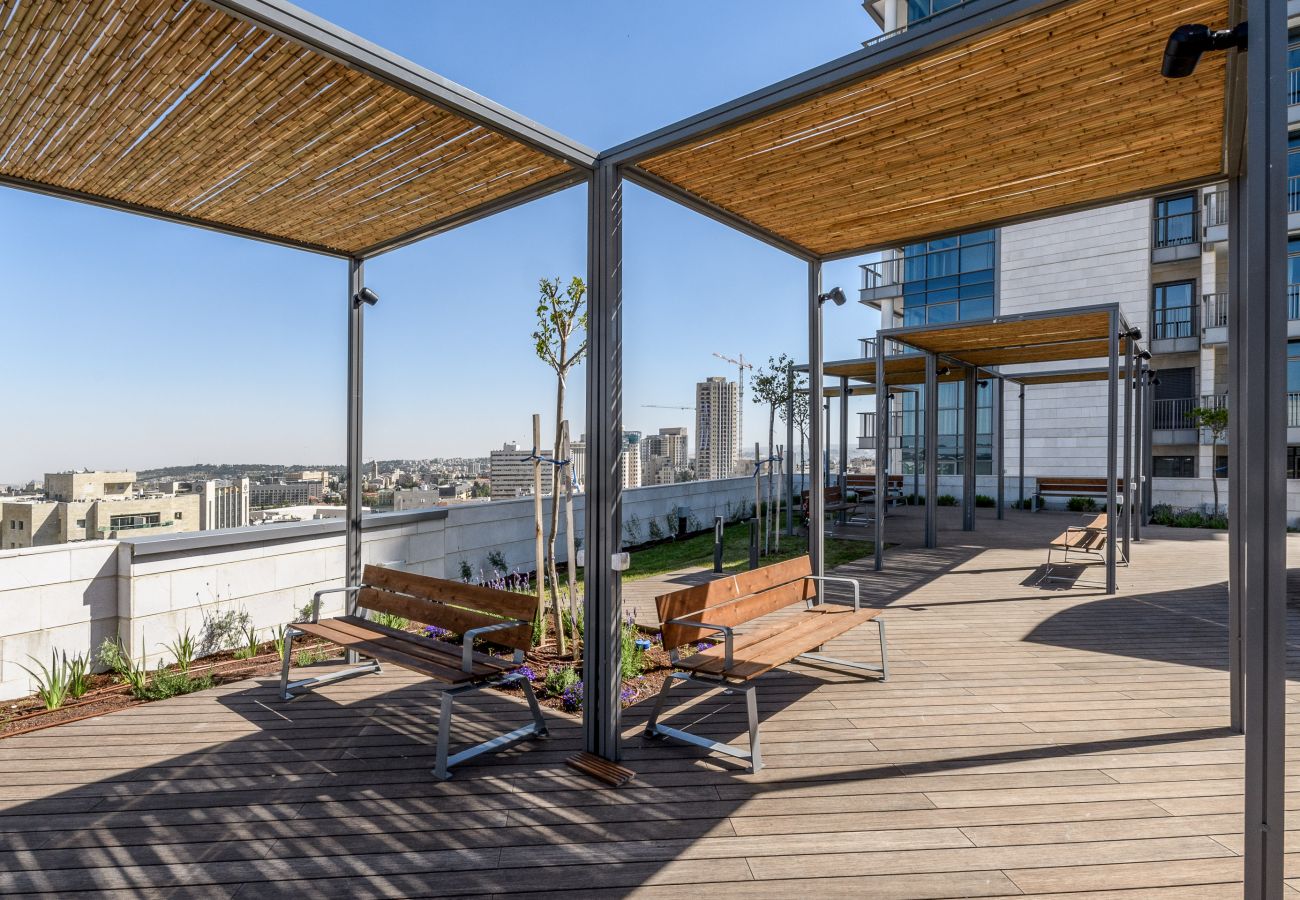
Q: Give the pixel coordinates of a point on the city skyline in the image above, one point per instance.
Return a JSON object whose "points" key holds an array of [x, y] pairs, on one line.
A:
{"points": [[173, 375]]}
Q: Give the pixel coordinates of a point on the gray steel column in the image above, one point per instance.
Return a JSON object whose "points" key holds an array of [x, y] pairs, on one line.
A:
{"points": [[816, 484], [1112, 445], [789, 453], [356, 371], [1127, 493], [1020, 474], [844, 433], [1136, 391], [602, 515], [1237, 224], [916, 445], [970, 422], [1147, 397], [1001, 442], [1258, 498], [882, 452], [931, 450]]}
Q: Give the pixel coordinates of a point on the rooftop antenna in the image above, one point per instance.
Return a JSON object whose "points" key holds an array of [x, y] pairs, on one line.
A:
{"points": [[741, 366]]}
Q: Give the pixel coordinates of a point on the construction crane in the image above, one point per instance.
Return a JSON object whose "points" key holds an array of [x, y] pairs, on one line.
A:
{"points": [[741, 366], [661, 406]]}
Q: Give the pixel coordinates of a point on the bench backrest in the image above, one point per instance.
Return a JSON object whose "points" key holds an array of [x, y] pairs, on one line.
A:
{"points": [[734, 600], [860, 482], [453, 605], [1086, 485]]}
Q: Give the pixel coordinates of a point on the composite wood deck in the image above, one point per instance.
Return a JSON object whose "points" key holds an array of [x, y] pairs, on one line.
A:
{"points": [[1029, 742]]}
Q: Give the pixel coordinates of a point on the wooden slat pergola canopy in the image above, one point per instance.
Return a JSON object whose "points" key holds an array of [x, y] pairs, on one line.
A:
{"points": [[1055, 336], [1074, 376], [1061, 109], [182, 109]]}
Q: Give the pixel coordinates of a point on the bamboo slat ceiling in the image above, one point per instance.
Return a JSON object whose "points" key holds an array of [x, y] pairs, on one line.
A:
{"points": [[174, 106], [1063, 109], [1056, 337]]}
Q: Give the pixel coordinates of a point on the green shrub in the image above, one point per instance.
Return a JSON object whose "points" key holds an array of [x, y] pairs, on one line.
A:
{"points": [[984, 501], [52, 682], [391, 620], [914, 499], [167, 683], [557, 681], [633, 662], [183, 649], [1081, 504], [78, 676], [466, 573], [281, 641], [1028, 503], [497, 560], [945, 500], [250, 646]]}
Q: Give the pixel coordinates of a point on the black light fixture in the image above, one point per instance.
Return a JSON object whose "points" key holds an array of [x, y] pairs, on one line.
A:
{"points": [[366, 296], [1144, 355], [1133, 334], [942, 370], [1187, 43], [835, 295]]}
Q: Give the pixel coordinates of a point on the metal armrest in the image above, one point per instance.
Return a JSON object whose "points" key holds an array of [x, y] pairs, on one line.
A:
{"points": [[467, 640], [857, 600], [315, 598], [726, 632]]}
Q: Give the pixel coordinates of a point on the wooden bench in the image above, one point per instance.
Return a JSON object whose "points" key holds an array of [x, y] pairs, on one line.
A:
{"points": [[1088, 539], [835, 501], [1076, 487], [864, 486], [718, 607], [504, 618]]}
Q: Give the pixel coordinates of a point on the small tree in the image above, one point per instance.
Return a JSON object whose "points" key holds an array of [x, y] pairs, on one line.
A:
{"points": [[1213, 419], [561, 315]]}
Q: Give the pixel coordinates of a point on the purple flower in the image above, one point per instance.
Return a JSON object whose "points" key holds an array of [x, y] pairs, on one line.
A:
{"points": [[435, 632], [628, 694], [527, 672], [572, 697], [702, 646]]}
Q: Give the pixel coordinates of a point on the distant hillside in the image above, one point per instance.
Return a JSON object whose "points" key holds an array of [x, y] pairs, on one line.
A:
{"points": [[227, 470]]}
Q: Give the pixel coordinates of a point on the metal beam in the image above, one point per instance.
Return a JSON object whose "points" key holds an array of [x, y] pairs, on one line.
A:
{"points": [[602, 515], [1137, 390], [311, 31], [816, 484], [63, 193], [959, 24], [931, 451], [1127, 491], [970, 423], [844, 440], [670, 191], [999, 411], [789, 452], [882, 453], [537, 191], [356, 370], [1112, 446], [1258, 497], [1020, 473]]}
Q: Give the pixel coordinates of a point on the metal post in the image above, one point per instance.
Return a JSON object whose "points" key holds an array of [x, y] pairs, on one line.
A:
{"points": [[916, 445], [1020, 473], [1112, 445], [1147, 397], [719, 535], [816, 484], [1127, 491], [789, 453], [844, 442], [602, 515], [1258, 497], [826, 460], [970, 422], [882, 444], [356, 369], [1236, 476], [1136, 395], [931, 450], [1001, 447]]}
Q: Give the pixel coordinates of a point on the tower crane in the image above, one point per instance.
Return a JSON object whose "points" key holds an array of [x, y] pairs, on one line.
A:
{"points": [[662, 406], [741, 366]]}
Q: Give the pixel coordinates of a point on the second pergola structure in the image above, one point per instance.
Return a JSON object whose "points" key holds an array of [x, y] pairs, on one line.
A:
{"points": [[974, 351], [258, 119]]}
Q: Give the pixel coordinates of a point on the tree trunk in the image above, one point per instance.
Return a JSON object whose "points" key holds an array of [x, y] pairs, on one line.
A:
{"points": [[572, 545], [768, 521], [538, 559], [552, 573]]}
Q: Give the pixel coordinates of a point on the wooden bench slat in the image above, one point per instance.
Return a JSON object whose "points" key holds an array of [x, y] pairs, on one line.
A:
{"points": [[812, 629], [687, 601], [453, 618], [743, 609], [444, 649], [508, 604], [384, 652]]}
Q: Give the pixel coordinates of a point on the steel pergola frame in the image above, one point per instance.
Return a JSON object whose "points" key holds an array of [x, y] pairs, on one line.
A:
{"points": [[1254, 154]]}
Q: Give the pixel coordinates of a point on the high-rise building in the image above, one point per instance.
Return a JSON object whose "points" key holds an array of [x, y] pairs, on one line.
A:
{"points": [[631, 459], [510, 472], [285, 493], [223, 504], [716, 439], [664, 456], [578, 459]]}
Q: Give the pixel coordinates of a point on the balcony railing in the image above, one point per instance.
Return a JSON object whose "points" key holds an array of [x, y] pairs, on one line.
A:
{"points": [[1293, 193], [884, 36], [1293, 409], [881, 273], [892, 347], [1214, 310], [1173, 322], [1293, 86], [1293, 301], [1176, 229], [1170, 414], [1215, 207]]}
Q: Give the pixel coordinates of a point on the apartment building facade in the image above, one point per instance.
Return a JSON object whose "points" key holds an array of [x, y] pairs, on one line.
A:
{"points": [[717, 412], [87, 506], [510, 472]]}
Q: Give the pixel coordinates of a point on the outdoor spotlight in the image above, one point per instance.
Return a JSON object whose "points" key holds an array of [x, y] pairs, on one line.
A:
{"points": [[943, 370], [1188, 42], [1134, 333], [835, 295], [366, 296]]}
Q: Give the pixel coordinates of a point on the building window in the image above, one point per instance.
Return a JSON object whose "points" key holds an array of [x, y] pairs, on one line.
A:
{"points": [[22, 526], [923, 9], [1173, 466], [1173, 313], [949, 279], [81, 523], [141, 520], [1293, 462], [951, 443], [178, 514], [1175, 222]]}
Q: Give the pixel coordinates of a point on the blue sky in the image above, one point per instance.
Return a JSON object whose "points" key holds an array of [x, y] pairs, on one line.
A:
{"points": [[136, 343]]}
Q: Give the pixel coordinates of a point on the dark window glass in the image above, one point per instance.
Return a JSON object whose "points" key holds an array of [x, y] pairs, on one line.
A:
{"points": [[1176, 384], [1175, 221], [1293, 462], [1292, 366], [1173, 312], [1173, 466], [943, 274], [977, 308]]}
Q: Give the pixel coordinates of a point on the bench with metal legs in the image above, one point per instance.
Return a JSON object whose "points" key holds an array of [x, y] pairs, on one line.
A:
{"points": [[474, 612], [717, 606]]}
